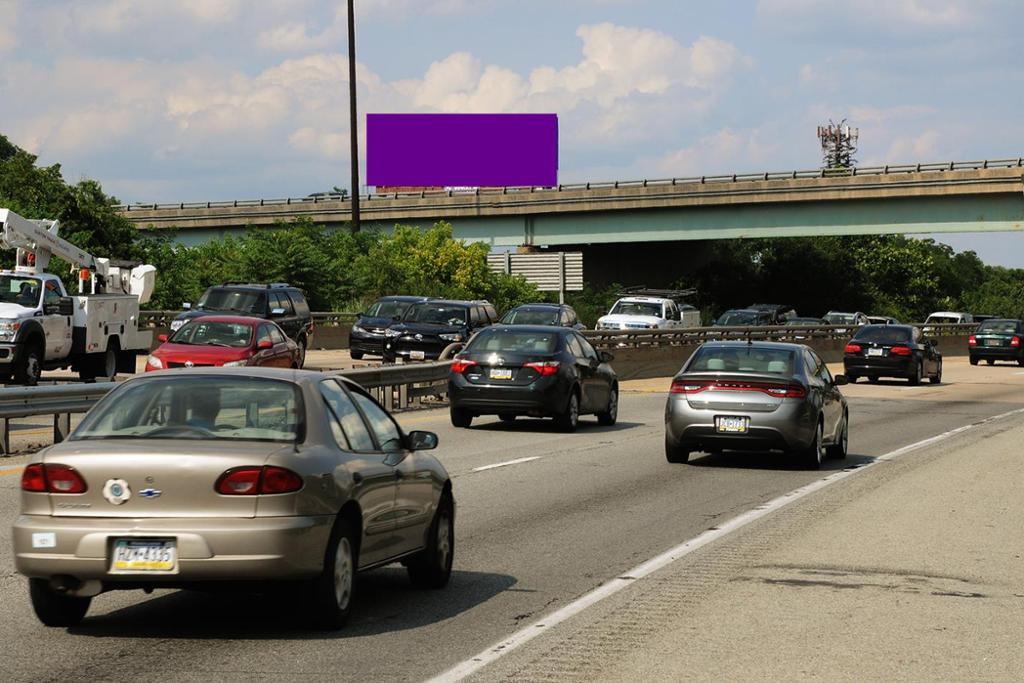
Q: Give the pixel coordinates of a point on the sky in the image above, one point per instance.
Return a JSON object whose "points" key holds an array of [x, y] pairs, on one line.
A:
{"points": [[196, 100]]}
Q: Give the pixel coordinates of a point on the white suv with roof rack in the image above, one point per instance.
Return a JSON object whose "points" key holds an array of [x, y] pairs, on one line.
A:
{"points": [[641, 309]]}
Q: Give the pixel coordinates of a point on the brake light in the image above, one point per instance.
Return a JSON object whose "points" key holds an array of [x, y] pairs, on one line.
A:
{"points": [[40, 478], [779, 390], [252, 481], [1015, 341], [544, 368], [900, 351], [460, 365], [972, 341], [853, 348]]}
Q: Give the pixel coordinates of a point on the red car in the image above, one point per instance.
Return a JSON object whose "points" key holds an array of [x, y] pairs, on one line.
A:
{"points": [[225, 340]]}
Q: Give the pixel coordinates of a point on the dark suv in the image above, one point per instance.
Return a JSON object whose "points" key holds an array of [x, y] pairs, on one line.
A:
{"points": [[280, 302], [367, 335], [428, 328]]}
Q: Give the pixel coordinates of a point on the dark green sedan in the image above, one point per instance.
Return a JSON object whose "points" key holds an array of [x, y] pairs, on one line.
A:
{"points": [[997, 339]]}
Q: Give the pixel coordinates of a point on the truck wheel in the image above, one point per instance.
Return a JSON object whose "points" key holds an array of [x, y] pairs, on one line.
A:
{"points": [[30, 368], [101, 364]]}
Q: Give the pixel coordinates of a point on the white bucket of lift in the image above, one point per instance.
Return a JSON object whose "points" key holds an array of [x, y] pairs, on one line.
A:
{"points": [[142, 281]]}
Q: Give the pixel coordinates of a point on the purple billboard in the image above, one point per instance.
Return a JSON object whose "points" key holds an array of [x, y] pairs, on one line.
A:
{"points": [[478, 150]]}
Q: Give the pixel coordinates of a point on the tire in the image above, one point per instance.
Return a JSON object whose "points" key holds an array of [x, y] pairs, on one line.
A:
{"points": [[570, 419], [332, 592], [30, 368], [54, 609], [507, 417], [991, 361], [301, 342], [609, 416], [852, 379], [460, 418], [974, 361], [676, 454], [840, 449], [1020, 362], [101, 364], [812, 455], [355, 355], [937, 377], [873, 379], [918, 375], [433, 567]]}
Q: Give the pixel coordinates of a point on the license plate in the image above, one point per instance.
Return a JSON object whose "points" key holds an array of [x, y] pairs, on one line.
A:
{"points": [[874, 352], [417, 355], [731, 425], [501, 373], [993, 342], [143, 555]]}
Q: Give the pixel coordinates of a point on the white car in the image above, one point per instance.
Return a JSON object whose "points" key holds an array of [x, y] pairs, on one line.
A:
{"points": [[648, 313]]}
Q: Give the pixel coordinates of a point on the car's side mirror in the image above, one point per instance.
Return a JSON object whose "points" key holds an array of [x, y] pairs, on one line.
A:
{"points": [[422, 441], [187, 306], [66, 306], [264, 344], [607, 357], [161, 338], [840, 380], [276, 311]]}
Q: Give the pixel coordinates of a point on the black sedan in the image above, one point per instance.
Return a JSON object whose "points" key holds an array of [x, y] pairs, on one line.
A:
{"points": [[539, 371], [370, 328], [997, 339], [892, 351], [560, 315]]}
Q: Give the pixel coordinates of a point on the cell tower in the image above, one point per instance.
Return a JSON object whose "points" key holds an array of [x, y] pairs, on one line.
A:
{"points": [[838, 144]]}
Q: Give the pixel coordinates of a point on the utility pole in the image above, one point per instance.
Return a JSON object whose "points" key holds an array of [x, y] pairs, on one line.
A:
{"points": [[838, 144], [353, 120]]}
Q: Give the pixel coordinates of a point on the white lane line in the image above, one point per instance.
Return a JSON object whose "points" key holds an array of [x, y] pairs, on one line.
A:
{"points": [[544, 624], [505, 464], [11, 470]]}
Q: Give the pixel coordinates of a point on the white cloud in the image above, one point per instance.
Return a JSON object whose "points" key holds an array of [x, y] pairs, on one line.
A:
{"points": [[833, 15], [724, 151], [915, 148]]}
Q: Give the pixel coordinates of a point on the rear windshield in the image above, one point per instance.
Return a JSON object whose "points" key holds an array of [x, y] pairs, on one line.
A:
{"points": [[510, 341], [1000, 326], [388, 309], [237, 300], [527, 316], [200, 407], [746, 359], [437, 314], [737, 319], [883, 334], [204, 333]]}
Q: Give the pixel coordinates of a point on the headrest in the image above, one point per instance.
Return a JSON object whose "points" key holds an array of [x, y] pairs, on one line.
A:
{"points": [[777, 366], [716, 364]]}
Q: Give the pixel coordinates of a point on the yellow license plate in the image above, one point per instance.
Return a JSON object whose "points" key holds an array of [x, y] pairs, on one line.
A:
{"points": [[501, 373], [135, 555], [731, 425]]}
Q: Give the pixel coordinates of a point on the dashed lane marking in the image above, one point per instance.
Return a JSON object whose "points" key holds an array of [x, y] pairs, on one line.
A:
{"points": [[505, 464]]}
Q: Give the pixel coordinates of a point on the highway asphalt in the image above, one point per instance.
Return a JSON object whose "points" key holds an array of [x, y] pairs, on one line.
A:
{"points": [[566, 514]]}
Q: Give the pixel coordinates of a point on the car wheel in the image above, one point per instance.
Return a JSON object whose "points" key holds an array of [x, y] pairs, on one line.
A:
{"points": [[852, 379], [433, 567], [873, 380], [915, 379], [812, 455], [333, 590], [840, 448], [609, 416], [568, 420], [675, 453], [507, 417], [937, 377], [355, 355], [31, 367], [1020, 362], [54, 609], [460, 418], [973, 360], [301, 343], [991, 361]]}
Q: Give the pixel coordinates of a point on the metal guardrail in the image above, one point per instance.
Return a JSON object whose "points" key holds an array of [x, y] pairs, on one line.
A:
{"points": [[155, 319], [893, 169]]}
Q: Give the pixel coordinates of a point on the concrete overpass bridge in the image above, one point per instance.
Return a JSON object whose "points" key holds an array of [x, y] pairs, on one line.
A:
{"points": [[920, 198]]}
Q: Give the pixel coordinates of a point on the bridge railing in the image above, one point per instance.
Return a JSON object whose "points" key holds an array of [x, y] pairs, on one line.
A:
{"points": [[890, 169]]}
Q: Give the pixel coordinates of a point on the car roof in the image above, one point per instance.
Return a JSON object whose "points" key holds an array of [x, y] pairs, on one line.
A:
{"points": [[502, 327], [901, 326], [404, 297], [780, 346], [949, 313], [1001, 320], [537, 307], [452, 302], [237, 319], [744, 310], [253, 285], [644, 299]]}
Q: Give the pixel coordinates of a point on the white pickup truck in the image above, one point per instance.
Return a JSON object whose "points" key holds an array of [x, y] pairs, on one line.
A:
{"points": [[636, 312], [95, 333]]}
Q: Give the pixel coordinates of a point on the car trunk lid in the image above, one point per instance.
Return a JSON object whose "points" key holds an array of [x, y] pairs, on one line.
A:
{"points": [[739, 392]]}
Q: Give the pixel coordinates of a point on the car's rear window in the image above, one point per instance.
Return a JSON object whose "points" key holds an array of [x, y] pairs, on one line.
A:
{"points": [[751, 359], [534, 316], [198, 407], [883, 334], [1000, 326], [509, 341]]}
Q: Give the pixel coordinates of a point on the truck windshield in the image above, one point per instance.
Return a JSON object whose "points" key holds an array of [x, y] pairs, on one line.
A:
{"points": [[23, 291], [636, 308], [237, 300], [388, 309], [840, 318]]}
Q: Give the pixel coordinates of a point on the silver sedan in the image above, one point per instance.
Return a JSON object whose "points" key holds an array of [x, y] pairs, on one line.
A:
{"points": [[758, 396], [218, 476]]}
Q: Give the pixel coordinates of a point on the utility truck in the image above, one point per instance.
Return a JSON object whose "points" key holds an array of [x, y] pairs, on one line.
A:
{"points": [[95, 332], [640, 308]]}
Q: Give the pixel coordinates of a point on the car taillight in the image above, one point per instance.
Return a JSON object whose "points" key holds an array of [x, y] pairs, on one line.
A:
{"points": [[251, 481], [681, 386], [779, 390], [853, 348], [972, 341], [460, 365], [1015, 341], [40, 478], [544, 368], [900, 351]]}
